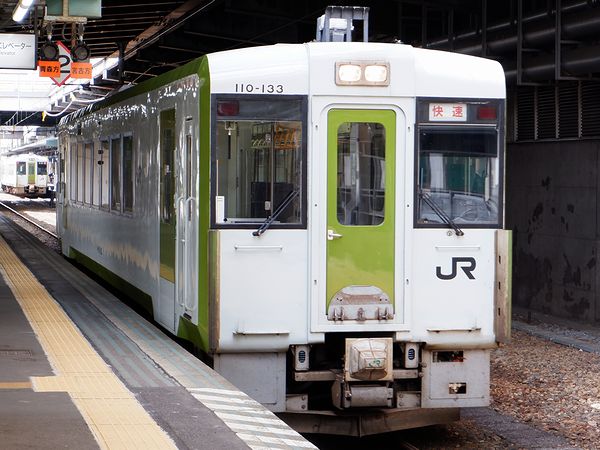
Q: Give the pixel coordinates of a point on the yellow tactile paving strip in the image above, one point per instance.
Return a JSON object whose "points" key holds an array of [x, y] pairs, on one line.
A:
{"points": [[114, 416], [15, 385]]}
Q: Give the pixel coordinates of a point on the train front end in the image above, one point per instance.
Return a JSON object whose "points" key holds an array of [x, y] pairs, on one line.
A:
{"points": [[360, 270]]}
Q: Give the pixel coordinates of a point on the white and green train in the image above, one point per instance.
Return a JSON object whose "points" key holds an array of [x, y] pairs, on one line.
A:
{"points": [[25, 175], [323, 220]]}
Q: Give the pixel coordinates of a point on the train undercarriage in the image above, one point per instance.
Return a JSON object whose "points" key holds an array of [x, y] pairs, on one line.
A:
{"points": [[358, 386]]}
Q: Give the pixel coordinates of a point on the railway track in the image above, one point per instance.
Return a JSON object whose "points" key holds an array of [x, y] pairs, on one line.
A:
{"points": [[28, 220]]}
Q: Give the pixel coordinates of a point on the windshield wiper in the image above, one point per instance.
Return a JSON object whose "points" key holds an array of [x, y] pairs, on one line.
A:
{"points": [[440, 212], [269, 220]]}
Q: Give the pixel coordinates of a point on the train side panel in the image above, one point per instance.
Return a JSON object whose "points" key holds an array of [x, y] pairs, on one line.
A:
{"points": [[125, 140]]}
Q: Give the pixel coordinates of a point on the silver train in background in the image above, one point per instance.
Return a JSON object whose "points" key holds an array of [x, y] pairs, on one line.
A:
{"points": [[25, 175]]}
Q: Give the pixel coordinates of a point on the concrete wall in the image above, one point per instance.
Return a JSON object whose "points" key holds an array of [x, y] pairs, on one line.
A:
{"points": [[552, 205]]}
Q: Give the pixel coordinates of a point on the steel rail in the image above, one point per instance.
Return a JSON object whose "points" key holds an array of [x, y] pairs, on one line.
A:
{"points": [[4, 205]]}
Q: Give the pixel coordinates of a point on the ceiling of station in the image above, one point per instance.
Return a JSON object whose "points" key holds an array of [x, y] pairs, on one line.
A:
{"points": [[154, 36]]}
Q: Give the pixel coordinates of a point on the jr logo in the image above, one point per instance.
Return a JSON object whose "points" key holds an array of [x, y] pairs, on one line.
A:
{"points": [[467, 264]]}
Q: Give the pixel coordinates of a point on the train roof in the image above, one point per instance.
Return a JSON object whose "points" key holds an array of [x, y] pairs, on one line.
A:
{"points": [[309, 69], [25, 157]]}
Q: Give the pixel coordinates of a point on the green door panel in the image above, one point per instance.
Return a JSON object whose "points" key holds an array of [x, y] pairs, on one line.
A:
{"points": [[361, 250], [31, 173]]}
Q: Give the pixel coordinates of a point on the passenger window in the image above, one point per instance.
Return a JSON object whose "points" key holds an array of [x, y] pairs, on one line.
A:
{"points": [[97, 175], [259, 161], [80, 173], [89, 179], [361, 173], [73, 169], [104, 173], [115, 174], [128, 181], [458, 174]]}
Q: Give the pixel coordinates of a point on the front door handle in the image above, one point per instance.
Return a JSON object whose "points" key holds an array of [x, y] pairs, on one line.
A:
{"points": [[331, 235]]}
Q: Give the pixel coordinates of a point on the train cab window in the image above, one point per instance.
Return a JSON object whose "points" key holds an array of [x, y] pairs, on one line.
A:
{"points": [[360, 173], [42, 168], [259, 160], [115, 174], [459, 175], [21, 168]]}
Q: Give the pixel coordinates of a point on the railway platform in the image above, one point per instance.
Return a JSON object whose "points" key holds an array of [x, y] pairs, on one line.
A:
{"points": [[79, 369]]}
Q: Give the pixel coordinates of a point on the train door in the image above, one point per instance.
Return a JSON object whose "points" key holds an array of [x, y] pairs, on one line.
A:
{"points": [[165, 313], [360, 214], [187, 244], [30, 172]]}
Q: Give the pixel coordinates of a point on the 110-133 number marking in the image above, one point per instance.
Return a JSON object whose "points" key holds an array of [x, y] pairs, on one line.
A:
{"points": [[259, 88]]}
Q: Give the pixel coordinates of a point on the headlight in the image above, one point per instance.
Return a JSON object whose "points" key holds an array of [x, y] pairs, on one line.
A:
{"points": [[349, 73], [362, 73], [376, 73]]}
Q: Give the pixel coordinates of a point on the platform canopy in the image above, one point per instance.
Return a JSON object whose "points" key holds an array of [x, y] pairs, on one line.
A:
{"points": [[537, 41]]}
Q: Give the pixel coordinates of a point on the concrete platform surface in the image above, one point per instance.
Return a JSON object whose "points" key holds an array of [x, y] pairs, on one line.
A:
{"points": [[79, 369]]}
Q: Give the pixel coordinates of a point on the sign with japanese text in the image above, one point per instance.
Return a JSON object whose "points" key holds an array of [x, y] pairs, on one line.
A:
{"points": [[81, 70], [49, 68], [18, 51], [447, 112]]}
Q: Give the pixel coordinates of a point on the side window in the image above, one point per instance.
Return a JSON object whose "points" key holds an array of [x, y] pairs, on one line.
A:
{"points": [[80, 173], [97, 173], [360, 173], [73, 170], [128, 173], [104, 159], [115, 174], [89, 179], [259, 161]]}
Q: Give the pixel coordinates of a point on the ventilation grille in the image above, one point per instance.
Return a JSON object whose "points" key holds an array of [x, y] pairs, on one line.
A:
{"points": [[525, 123], [511, 117], [546, 112], [568, 110], [590, 109]]}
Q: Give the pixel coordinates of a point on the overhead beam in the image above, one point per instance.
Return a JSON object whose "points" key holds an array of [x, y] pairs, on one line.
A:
{"points": [[224, 38], [171, 22]]}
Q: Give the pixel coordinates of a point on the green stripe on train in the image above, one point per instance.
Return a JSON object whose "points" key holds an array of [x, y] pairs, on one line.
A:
{"points": [[136, 295]]}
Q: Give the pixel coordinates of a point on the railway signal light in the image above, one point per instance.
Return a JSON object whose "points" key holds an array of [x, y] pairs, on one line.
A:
{"points": [[80, 52], [49, 51]]}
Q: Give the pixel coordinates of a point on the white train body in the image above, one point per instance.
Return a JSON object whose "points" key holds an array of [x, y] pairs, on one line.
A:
{"points": [[358, 296], [24, 175]]}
